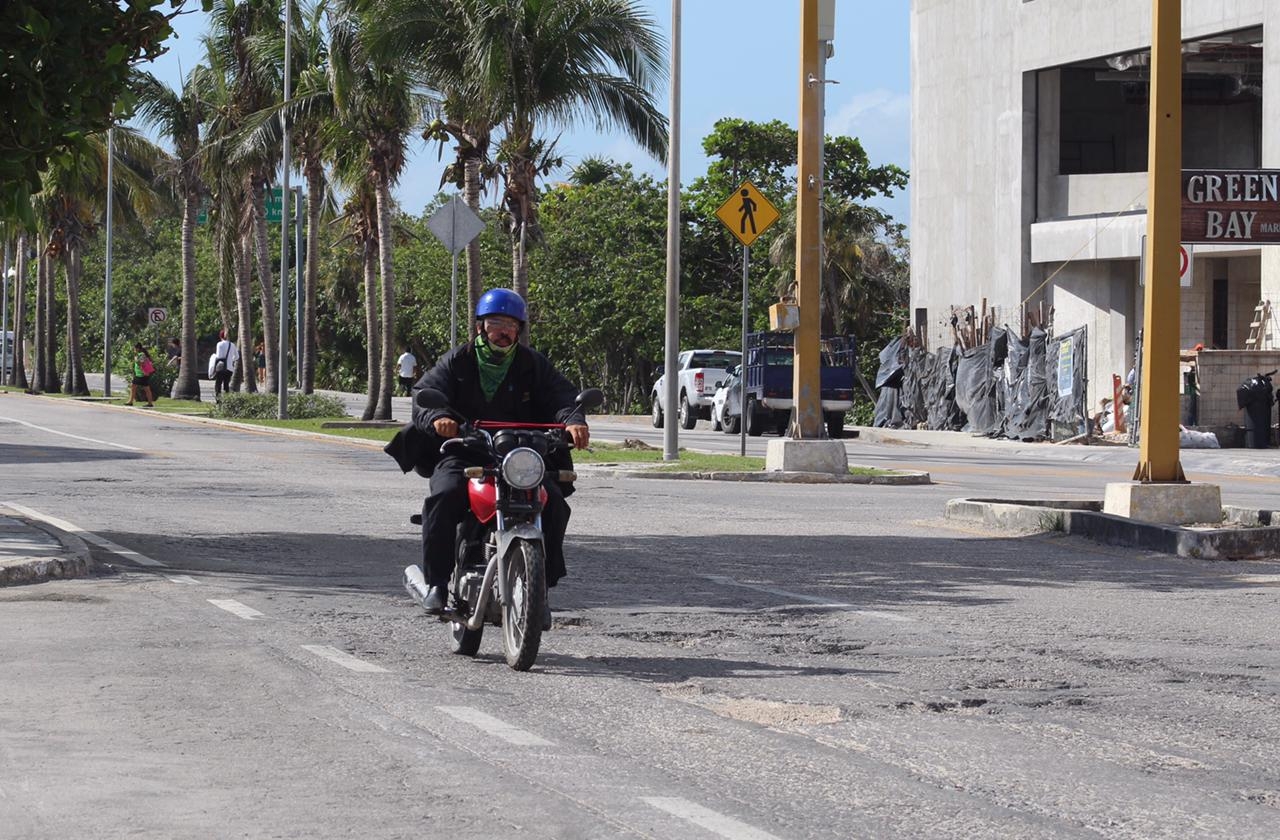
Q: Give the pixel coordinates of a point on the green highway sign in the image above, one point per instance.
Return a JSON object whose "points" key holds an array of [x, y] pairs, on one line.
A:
{"points": [[273, 205]]}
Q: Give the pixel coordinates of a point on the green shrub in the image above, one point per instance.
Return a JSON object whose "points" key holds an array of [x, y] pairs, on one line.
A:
{"points": [[244, 406]]}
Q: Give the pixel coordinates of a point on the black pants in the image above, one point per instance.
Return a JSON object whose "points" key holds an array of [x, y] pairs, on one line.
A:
{"points": [[221, 382], [406, 385], [447, 505]]}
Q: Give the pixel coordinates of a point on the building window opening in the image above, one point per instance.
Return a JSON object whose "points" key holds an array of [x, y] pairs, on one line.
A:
{"points": [[1104, 107]]}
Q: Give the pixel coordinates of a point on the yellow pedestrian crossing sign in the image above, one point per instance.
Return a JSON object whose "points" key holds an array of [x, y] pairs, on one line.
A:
{"points": [[747, 213]]}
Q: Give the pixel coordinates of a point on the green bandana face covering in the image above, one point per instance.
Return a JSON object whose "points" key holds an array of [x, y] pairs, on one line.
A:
{"points": [[493, 363]]}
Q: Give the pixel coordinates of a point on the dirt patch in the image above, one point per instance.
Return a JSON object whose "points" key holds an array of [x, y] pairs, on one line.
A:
{"points": [[771, 713]]}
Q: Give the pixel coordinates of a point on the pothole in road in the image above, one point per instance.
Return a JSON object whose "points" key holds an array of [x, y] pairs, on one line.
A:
{"points": [[1270, 798], [967, 704], [774, 714]]}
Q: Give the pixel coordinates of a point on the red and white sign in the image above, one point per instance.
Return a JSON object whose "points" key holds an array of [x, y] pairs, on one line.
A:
{"points": [[1184, 266]]}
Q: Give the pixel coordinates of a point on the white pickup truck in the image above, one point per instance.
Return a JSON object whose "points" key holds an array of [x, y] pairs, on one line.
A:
{"points": [[700, 373]]}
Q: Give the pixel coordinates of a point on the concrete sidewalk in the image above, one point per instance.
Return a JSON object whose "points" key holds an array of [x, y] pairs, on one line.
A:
{"points": [[33, 551]]}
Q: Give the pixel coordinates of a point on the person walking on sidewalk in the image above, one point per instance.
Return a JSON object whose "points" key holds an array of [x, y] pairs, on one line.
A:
{"points": [[408, 364], [143, 367], [222, 364]]}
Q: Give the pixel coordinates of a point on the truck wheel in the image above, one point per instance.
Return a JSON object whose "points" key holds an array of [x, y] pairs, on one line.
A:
{"points": [[731, 424], [657, 413], [782, 425], [716, 425], [753, 418], [835, 426], [688, 419]]}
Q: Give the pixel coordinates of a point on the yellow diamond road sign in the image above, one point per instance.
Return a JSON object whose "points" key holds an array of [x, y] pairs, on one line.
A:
{"points": [[747, 213]]}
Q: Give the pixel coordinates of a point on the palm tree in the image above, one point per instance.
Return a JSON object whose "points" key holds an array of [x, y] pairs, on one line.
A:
{"points": [[554, 63], [70, 203], [178, 116], [19, 314], [433, 37], [375, 101], [238, 30]]}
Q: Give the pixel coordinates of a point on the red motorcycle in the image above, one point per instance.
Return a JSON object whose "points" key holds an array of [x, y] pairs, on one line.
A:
{"points": [[499, 574]]}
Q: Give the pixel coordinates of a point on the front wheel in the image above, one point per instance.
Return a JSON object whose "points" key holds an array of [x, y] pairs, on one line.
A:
{"points": [[523, 611], [657, 413]]}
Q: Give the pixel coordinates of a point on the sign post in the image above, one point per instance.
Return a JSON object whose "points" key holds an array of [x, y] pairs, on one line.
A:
{"points": [[747, 214], [455, 225]]}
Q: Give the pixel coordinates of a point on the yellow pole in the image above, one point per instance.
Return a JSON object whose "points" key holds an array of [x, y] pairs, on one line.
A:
{"points": [[807, 384], [1158, 455]]}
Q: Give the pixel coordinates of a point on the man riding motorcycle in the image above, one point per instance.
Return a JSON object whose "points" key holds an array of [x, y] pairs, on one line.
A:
{"points": [[491, 377]]}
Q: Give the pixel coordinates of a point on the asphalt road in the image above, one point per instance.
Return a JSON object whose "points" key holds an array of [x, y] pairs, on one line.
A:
{"points": [[729, 660]]}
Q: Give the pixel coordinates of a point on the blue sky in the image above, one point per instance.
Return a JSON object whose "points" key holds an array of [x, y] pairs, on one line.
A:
{"points": [[740, 59]]}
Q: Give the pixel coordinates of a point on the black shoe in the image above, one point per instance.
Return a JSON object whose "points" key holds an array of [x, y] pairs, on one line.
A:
{"points": [[437, 600]]}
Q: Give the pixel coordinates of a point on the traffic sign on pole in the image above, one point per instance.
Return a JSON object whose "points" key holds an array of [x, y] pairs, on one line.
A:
{"points": [[747, 213], [455, 225]]}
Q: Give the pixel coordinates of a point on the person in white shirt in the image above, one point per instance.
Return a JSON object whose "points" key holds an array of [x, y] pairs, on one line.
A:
{"points": [[222, 364], [408, 370]]}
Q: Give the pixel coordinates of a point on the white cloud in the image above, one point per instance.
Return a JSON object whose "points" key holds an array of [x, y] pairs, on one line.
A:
{"points": [[881, 120]]}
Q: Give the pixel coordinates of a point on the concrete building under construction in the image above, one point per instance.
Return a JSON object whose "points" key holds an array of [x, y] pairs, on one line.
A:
{"points": [[1029, 156]]}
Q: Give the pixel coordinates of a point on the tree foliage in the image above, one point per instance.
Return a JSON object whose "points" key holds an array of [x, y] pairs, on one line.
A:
{"points": [[64, 69]]}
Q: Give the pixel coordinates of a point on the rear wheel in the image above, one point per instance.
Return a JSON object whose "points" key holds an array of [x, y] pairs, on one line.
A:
{"points": [[731, 422], [687, 418], [753, 417], [527, 601], [466, 642], [657, 413], [716, 425]]}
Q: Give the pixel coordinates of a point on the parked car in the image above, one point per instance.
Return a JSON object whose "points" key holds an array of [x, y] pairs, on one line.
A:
{"points": [[700, 373], [721, 395]]}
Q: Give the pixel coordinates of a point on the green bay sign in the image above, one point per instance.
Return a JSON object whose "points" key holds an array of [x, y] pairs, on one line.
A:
{"points": [[1231, 206]]}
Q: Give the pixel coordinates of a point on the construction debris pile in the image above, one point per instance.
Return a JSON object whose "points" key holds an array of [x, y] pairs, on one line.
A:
{"points": [[1026, 385]]}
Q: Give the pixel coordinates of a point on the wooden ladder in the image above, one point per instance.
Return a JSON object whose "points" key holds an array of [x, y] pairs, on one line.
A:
{"points": [[1259, 327]]}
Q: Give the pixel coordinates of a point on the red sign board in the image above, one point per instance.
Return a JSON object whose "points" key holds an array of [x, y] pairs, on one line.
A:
{"points": [[1231, 206]]}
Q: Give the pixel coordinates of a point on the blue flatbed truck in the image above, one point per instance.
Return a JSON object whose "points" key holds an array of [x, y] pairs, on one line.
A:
{"points": [[768, 381]]}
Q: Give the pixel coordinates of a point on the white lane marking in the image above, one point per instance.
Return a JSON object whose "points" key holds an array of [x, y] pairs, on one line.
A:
{"points": [[235, 608], [346, 660], [493, 726], [88, 536], [712, 821], [187, 579], [68, 434], [822, 602]]}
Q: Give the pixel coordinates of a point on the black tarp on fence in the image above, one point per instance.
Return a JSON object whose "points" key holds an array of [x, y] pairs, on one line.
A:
{"points": [[1006, 387]]}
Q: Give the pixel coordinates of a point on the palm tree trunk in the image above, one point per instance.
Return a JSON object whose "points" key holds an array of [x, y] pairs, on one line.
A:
{"points": [[75, 361], [310, 344], [266, 282], [51, 383], [186, 386], [371, 342], [20, 316], [245, 371], [471, 193], [387, 270], [42, 301]]}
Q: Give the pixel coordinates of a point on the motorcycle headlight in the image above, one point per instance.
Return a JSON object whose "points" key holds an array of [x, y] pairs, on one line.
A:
{"points": [[522, 468]]}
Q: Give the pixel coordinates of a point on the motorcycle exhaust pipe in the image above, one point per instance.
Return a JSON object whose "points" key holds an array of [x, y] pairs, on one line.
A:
{"points": [[415, 584]]}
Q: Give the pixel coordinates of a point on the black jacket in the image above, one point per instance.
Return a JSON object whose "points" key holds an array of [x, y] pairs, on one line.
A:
{"points": [[533, 391]]}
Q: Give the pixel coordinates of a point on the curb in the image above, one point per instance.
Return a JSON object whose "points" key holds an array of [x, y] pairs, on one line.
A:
{"points": [[1086, 519], [76, 561], [910, 478]]}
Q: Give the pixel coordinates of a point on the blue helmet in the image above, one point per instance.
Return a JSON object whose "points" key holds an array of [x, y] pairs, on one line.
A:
{"points": [[502, 302]]}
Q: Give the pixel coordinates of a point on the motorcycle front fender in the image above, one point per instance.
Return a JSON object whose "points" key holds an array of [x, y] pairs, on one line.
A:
{"points": [[524, 531]]}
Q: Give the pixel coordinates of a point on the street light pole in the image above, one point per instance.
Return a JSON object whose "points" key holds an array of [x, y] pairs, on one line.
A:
{"points": [[282, 366], [670, 435], [106, 292]]}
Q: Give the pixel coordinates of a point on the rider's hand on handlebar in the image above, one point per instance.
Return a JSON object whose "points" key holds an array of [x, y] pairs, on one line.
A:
{"points": [[581, 435], [446, 427]]}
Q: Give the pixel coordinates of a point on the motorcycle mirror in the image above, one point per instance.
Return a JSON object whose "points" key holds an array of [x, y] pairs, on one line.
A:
{"points": [[591, 398], [430, 398]]}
